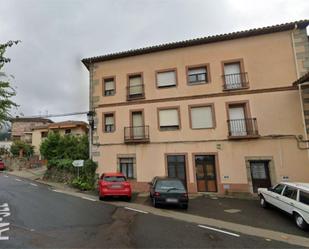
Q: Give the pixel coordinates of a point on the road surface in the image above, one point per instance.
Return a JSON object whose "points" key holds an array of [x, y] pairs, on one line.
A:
{"points": [[34, 216]]}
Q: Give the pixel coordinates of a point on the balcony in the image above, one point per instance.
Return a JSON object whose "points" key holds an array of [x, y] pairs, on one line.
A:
{"points": [[243, 128], [136, 134], [235, 81], [135, 92]]}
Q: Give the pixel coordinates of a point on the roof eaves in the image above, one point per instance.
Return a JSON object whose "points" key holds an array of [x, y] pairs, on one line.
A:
{"points": [[198, 41], [303, 79]]}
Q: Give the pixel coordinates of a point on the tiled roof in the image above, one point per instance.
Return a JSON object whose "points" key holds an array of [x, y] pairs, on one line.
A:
{"points": [[61, 125], [204, 40], [43, 120], [302, 79]]}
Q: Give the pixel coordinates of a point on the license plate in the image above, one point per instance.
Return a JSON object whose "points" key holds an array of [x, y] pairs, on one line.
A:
{"points": [[116, 186], [171, 200]]}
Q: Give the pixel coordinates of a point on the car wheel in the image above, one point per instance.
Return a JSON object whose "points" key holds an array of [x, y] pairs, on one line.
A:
{"points": [[300, 222], [263, 202], [184, 206], [154, 202]]}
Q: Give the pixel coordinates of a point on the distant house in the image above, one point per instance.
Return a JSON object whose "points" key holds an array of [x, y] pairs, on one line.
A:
{"points": [[22, 127], [75, 128]]}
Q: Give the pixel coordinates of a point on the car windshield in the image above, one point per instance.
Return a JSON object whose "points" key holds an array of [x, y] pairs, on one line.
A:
{"points": [[114, 178], [169, 185]]}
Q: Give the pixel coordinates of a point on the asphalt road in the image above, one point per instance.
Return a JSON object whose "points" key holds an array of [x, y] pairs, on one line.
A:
{"points": [[42, 218]]}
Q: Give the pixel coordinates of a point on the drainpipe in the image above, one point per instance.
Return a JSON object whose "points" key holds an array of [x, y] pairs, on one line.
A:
{"points": [[302, 110]]}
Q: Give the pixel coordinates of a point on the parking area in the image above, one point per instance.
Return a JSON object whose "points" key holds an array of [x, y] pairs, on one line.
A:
{"points": [[240, 211]]}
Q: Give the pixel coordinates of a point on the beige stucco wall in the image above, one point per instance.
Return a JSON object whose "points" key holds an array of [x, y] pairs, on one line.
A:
{"points": [[269, 61], [150, 160]]}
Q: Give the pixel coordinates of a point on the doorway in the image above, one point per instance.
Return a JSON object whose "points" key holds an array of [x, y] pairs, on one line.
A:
{"points": [[260, 175], [237, 120], [137, 124], [176, 167], [206, 176]]}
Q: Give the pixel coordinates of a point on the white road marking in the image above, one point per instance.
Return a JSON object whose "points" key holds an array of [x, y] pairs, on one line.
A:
{"points": [[5, 175], [4, 212], [56, 190], [89, 199], [136, 210], [33, 184], [218, 230], [18, 180]]}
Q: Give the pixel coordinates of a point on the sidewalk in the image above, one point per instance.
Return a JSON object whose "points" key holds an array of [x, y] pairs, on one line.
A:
{"points": [[202, 218]]}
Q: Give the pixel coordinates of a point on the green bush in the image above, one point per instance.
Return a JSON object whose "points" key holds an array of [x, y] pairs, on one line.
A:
{"points": [[71, 147], [61, 151], [18, 145]]}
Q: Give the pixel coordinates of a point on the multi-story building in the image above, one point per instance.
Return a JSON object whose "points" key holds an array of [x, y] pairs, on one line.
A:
{"points": [[21, 128], [70, 127], [220, 112]]}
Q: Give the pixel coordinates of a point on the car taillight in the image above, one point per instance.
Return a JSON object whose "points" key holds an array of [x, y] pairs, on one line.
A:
{"points": [[103, 184], [126, 184], [156, 194]]}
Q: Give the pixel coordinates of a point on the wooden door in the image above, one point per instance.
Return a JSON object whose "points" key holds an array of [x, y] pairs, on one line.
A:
{"points": [[206, 176]]}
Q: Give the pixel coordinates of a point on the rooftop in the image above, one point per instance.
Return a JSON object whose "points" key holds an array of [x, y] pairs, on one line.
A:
{"points": [[63, 124], [198, 41], [21, 119]]}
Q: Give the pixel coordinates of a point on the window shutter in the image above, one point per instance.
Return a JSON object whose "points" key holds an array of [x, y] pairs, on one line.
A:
{"points": [[169, 117], [201, 117], [166, 79], [109, 85], [135, 85], [109, 120], [197, 70]]}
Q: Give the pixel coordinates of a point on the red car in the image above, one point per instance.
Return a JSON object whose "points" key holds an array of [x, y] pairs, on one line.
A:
{"points": [[114, 184], [2, 165]]}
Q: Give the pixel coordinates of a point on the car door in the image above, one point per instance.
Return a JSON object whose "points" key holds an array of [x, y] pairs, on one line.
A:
{"points": [[273, 196], [303, 204], [289, 199]]}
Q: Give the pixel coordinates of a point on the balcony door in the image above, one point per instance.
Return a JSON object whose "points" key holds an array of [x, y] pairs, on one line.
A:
{"points": [[237, 118], [138, 128], [232, 75]]}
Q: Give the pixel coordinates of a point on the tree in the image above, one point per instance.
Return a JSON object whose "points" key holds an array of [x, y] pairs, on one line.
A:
{"points": [[17, 146], [6, 90]]}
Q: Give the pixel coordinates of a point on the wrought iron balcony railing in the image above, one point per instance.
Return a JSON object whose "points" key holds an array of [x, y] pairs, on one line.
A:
{"points": [[239, 128], [235, 81], [136, 134]]}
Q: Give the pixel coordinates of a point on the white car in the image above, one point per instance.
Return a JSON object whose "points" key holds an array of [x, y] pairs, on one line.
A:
{"points": [[292, 198]]}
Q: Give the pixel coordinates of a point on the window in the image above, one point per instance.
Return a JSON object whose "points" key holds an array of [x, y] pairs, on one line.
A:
{"points": [[166, 79], [290, 192], [197, 75], [278, 189], [169, 119], [234, 75], [67, 131], [202, 117], [304, 197], [135, 87], [44, 134], [109, 122], [176, 167], [126, 166], [109, 86]]}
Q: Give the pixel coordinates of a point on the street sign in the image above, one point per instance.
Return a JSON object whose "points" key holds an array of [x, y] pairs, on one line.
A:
{"points": [[78, 163]]}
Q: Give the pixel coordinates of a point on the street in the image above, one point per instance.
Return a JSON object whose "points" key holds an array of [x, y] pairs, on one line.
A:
{"points": [[40, 217]]}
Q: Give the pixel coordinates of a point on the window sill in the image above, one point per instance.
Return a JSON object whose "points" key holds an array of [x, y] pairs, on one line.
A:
{"points": [[198, 83], [235, 89], [162, 87]]}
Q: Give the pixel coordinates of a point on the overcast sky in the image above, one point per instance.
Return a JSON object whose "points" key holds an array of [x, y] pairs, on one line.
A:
{"points": [[57, 34]]}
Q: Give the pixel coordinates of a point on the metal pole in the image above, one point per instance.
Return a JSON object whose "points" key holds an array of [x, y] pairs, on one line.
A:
{"points": [[90, 140]]}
